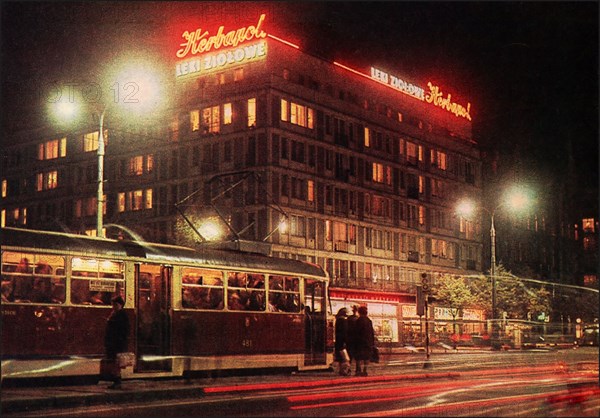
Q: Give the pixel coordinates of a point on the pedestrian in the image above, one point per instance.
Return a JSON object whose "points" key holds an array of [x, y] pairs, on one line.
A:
{"points": [[364, 341], [350, 340], [115, 339], [341, 335]]}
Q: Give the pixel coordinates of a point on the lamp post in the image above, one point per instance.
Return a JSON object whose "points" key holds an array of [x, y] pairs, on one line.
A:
{"points": [[515, 199], [142, 90], [100, 191]]}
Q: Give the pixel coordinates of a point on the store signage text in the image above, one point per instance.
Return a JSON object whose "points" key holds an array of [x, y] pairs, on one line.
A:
{"points": [[221, 60], [199, 41], [434, 96]]}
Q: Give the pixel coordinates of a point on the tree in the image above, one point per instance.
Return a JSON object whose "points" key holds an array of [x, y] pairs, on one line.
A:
{"points": [[454, 292]]}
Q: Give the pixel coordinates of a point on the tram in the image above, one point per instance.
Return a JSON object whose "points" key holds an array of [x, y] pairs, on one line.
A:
{"points": [[190, 310]]}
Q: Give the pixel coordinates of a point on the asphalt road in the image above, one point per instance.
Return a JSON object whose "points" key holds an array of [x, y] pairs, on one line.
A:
{"points": [[533, 384]]}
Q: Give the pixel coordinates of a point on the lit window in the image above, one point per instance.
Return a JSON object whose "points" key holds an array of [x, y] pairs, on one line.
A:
{"points": [[52, 149], [136, 165], [588, 224], [47, 181], [195, 120], [210, 119], [3, 220], [311, 191], [421, 184], [377, 173], [400, 117], [227, 114], [284, 111], [367, 137], [121, 202], [4, 188], [150, 162], [238, 74], [148, 204], [252, 112], [221, 78], [90, 141], [136, 203]]}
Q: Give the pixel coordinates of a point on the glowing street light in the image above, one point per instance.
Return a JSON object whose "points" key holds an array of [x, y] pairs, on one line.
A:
{"points": [[516, 199], [133, 87]]}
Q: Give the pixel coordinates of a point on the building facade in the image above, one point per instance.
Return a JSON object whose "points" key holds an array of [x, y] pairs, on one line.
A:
{"points": [[358, 170]]}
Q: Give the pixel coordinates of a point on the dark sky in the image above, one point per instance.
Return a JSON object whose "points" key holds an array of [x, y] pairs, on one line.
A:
{"points": [[529, 69]]}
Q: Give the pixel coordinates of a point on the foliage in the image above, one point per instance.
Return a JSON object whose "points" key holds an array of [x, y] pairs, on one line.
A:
{"points": [[520, 299]]}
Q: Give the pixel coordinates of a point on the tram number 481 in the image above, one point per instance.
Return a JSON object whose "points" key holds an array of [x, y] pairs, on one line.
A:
{"points": [[247, 343]]}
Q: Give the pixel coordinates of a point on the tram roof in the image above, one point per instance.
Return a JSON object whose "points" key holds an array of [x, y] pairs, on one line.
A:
{"points": [[93, 246]]}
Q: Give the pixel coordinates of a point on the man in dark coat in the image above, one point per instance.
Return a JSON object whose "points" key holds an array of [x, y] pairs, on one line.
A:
{"points": [[351, 340], [115, 338], [364, 340]]}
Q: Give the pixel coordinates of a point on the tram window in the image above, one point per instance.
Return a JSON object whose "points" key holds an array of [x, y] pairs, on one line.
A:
{"points": [[96, 282], [201, 288], [284, 294], [246, 291], [33, 278], [314, 295]]}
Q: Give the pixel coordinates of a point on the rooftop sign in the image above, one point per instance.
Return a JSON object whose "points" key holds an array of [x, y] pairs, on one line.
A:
{"points": [[220, 50], [432, 95]]}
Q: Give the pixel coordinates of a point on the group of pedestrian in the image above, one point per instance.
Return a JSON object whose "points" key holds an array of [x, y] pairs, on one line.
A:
{"points": [[356, 336]]}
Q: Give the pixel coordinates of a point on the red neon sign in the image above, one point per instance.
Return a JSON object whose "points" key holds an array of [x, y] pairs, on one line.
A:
{"points": [[198, 42]]}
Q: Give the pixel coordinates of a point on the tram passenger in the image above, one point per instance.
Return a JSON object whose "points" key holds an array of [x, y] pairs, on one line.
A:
{"points": [[7, 290], [23, 285], [235, 303], [96, 298], [42, 290]]}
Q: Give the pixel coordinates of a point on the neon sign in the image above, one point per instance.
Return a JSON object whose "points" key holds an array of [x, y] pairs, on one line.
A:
{"points": [[198, 42], [221, 60], [434, 96]]}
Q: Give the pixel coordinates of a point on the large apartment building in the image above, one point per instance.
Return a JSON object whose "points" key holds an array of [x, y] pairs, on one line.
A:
{"points": [[356, 169]]}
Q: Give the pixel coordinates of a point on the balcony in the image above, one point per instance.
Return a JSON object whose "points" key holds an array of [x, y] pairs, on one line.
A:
{"points": [[341, 246]]}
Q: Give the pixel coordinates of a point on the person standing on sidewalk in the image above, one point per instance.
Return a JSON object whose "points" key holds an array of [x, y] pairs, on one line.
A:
{"points": [[115, 339], [364, 341], [341, 337], [351, 339]]}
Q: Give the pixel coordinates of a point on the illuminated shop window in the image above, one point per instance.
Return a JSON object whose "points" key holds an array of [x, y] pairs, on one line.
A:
{"points": [[251, 112], [227, 114], [47, 181], [211, 119], [52, 149], [195, 120]]}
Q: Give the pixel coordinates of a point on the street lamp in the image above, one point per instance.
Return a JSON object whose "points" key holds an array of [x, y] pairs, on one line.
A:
{"points": [[515, 199], [140, 91]]}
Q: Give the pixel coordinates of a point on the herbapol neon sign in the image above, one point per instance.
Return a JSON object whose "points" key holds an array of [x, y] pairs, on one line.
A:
{"points": [[200, 42], [433, 96]]}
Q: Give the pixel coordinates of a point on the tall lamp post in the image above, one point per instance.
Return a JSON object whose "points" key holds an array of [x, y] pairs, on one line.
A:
{"points": [[516, 200], [140, 89]]}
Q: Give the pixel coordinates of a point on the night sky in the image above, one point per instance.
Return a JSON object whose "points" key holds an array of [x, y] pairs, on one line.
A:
{"points": [[529, 69]]}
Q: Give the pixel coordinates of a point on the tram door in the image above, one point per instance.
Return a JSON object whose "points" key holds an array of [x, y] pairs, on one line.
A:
{"points": [[315, 323], [153, 333]]}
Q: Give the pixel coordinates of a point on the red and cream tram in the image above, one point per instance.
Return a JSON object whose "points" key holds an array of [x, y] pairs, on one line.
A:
{"points": [[190, 310]]}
